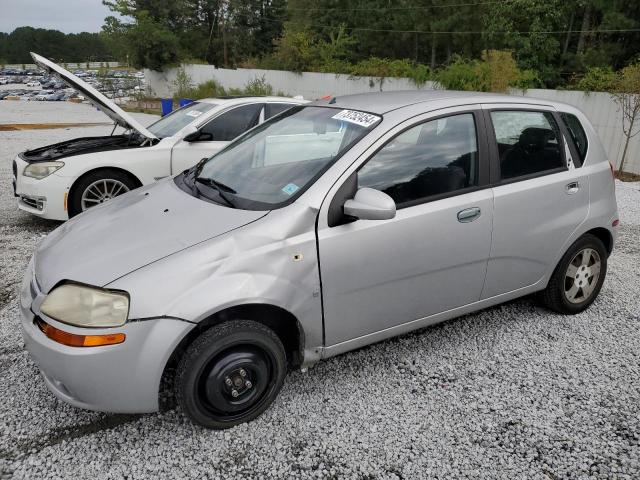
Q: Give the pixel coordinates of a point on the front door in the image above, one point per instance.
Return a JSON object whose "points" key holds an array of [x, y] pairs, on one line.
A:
{"points": [[432, 256]]}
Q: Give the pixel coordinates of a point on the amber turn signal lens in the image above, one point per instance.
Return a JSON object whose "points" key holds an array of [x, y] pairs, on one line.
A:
{"points": [[73, 340]]}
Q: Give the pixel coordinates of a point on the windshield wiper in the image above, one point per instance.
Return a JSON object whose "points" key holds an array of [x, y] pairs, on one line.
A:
{"points": [[220, 187]]}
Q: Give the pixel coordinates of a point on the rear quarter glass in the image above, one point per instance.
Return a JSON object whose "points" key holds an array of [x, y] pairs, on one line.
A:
{"points": [[578, 135]]}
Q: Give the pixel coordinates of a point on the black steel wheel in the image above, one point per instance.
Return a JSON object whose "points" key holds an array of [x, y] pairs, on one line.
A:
{"points": [[230, 374]]}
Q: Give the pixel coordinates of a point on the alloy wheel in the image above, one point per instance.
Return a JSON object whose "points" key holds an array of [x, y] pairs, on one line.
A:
{"points": [[582, 274], [101, 191]]}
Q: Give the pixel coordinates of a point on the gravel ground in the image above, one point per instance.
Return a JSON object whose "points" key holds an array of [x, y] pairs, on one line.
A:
{"points": [[510, 392]]}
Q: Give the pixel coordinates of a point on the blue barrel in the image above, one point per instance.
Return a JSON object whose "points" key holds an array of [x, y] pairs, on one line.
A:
{"points": [[167, 105], [185, 101]]}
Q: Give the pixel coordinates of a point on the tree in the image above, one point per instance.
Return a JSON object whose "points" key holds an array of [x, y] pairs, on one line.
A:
{"points": [[627, 96]]}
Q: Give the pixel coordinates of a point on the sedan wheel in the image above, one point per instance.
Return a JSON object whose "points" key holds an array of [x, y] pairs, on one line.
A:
{"points": [[100, 191], [97, 187]]}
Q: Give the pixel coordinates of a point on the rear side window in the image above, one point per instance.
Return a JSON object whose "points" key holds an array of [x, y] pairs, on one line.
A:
{"points": [[229, 125], [432, 158], [528, 143], [577, 133], [273, 109]]}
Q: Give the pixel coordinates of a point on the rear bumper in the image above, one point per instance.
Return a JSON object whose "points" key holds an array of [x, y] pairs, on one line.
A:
{"points": [[44, 198], [123, 378]]}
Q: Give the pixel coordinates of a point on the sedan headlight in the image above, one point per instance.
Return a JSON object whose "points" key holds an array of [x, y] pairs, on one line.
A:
{"points": [[42, 169], [86, 306]]}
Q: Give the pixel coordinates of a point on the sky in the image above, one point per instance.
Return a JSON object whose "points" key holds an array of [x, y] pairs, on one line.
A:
{"points": [[68, 16]]}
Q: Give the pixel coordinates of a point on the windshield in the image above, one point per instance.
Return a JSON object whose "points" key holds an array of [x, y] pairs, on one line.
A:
{"points": [[177, 120], [274, 163]]}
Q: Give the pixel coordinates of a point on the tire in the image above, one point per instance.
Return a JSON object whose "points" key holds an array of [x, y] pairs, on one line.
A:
{"points": [[91, 185], [240, 356], [577, 280]]}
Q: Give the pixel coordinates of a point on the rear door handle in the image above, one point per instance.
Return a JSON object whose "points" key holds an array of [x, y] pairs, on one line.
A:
{"points": [[469, 214], [572, 188]]}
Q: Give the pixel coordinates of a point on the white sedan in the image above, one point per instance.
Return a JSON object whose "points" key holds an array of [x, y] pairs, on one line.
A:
{"points": [[62, 180]]}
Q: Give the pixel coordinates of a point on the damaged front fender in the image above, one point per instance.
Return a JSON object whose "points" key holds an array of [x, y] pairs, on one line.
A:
{"points": [[271, 261]]}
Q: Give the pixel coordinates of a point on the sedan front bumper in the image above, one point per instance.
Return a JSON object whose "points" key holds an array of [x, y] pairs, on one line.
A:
{"points": [[123, 378], [45, 197]]}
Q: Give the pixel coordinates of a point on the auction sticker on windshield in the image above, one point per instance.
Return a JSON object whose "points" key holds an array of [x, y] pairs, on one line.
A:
{"points": [[359, 118]]}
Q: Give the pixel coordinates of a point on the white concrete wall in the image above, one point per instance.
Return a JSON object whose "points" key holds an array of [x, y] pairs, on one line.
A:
{"points": [[599, 107], [310, 85]]}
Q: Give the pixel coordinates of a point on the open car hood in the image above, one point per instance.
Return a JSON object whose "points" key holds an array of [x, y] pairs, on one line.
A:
{"points": [[107, 106]]}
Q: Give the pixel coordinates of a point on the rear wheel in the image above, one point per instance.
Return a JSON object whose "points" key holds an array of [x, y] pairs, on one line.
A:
{"points": [[98, 187], [230, 374], [578, 278]]}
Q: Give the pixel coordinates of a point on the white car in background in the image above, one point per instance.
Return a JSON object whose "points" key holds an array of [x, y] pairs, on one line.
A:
{"points": [[62, 180]]}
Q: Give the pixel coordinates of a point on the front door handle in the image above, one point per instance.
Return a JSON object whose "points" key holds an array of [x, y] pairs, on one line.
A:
{"points": [[469, 214], [572, 188]]}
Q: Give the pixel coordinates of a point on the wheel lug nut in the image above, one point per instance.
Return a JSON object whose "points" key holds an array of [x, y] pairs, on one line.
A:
{"points": [[248, 384], [243, 373], [234, 393], [228, 381]]}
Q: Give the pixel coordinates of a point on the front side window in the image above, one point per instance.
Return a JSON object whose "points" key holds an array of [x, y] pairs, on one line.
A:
{"points": [[433, 158], [577, 134], [230, 124], [276, 161], [527, 143], [171, 124]]}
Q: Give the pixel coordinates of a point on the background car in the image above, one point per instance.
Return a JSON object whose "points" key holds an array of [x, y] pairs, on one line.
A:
{"points": [[61, 180]]}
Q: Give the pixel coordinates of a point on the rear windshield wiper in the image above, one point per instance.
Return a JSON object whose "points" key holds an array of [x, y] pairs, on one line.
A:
{"points": [[220, 187]]}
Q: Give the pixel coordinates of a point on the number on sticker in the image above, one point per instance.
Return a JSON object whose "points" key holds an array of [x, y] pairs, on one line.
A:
{"points": [[359, 118]]}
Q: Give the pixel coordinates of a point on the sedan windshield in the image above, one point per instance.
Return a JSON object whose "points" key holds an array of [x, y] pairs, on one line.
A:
{"points": [[272, 164], [177, 120]]}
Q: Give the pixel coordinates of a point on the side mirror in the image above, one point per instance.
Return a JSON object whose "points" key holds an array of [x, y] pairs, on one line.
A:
{"points": [[192, 134], [370, 204]]}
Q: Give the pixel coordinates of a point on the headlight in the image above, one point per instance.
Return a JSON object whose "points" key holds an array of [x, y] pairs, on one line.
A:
{"points": [[86, 306], [42, 169]]}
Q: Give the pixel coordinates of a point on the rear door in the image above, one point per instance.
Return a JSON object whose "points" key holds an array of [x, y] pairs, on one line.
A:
{"points": [[540, 197], [218, 132]]}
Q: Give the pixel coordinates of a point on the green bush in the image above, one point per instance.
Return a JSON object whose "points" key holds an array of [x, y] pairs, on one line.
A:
{"points": [[495, 72], [386, 68], [598, 79], [258, 87], [184, 88]]}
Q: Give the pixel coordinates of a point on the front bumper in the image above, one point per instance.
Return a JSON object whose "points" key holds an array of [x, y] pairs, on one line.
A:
{"points": [[45, 197], [123, 378]]}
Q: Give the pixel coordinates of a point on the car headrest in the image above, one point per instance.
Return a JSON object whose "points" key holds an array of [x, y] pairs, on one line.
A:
{"points": [[535, 137]]}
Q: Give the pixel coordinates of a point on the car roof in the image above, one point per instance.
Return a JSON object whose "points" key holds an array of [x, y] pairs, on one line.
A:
{"points": [[384, 102], [248, 99]]}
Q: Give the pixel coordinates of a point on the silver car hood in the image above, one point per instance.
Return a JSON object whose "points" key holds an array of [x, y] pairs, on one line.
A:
{"points": [[129, 232], [105, 105]]}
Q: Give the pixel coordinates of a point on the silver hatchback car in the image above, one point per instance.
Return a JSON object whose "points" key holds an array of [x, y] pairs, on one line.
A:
{"points": [[329, 227]]}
